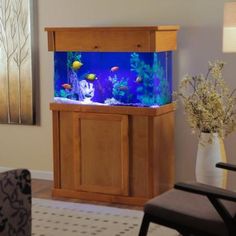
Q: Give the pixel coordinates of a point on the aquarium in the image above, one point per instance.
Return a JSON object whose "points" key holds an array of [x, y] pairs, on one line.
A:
{"points": [[113, 78]]}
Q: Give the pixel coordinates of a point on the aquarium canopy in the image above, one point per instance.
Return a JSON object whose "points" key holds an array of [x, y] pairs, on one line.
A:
{"points": [[129, 66]]}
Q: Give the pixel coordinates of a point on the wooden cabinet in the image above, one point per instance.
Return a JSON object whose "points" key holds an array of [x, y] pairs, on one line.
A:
{"points": [[115, 154], [112, 154]]}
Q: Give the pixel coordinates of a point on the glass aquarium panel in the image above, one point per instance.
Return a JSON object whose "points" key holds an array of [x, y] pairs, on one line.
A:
{"points": [[113, 78]]}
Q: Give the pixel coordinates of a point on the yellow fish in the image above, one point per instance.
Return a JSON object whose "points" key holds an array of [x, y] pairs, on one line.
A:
{"points": [[76, 65], [91, 77]]}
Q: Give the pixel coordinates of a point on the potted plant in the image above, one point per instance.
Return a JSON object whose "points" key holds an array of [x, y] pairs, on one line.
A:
{"points": [[210, 109]]}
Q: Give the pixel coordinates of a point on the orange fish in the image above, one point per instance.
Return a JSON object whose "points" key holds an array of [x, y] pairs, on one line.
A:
{"points": [[114, 68], [66, 86]]}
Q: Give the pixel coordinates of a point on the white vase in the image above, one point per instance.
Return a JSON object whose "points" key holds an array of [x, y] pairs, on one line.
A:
{"points": [[208, 154]]}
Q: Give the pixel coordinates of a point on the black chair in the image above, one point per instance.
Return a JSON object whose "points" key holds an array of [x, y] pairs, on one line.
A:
{"points": [[15, 203], [194, 209]]}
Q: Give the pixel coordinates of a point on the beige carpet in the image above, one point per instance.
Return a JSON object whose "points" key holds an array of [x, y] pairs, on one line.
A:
{"points": [[58, 218]]}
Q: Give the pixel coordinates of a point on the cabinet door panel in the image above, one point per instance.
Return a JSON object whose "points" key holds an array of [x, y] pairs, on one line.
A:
{"points": [[65, 154], [140, 146], [101, 153]]}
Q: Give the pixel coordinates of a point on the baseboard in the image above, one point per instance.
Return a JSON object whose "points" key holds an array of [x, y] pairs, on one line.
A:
{"points": [[35, 174]]}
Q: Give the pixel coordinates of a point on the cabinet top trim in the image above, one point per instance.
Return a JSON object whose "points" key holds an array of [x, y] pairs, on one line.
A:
{"points": [[124, 110], [142, 28]]}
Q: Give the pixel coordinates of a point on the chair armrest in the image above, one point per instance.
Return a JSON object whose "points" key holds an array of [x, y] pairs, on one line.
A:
{"points": [[207, 190], [226, 166]]}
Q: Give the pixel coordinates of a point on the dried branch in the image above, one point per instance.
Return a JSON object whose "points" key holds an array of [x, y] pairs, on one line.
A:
{"points": [[207, 101]]}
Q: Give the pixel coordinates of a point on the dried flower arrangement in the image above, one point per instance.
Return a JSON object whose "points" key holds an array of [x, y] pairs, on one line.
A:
{"points": [[208, 103]]}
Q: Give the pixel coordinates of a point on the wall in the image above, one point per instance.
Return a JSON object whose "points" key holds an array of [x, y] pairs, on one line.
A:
{"points": [[200, 40]]}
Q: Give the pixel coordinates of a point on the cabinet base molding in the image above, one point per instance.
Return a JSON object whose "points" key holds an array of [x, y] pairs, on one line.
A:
{"points": [[97, 197]]}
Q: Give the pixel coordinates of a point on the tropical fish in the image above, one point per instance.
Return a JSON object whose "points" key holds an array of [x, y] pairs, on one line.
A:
{"points": [[91, 77], [138, 79], [123, 88], [66, 86], [114, 68], [76, 65]]}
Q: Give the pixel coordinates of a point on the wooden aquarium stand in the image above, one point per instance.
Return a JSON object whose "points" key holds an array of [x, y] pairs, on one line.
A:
{"points": [[112, 154], [115, 154]]}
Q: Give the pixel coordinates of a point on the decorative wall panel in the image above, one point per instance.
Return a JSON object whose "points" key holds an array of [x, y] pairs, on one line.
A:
{"points": [[16, 85]]}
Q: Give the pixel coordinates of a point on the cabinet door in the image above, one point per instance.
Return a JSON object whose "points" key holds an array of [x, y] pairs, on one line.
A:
{"points": [[101, 153]]}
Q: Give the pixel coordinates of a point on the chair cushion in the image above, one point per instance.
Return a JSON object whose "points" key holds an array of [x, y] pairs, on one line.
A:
{"points": [[15, 203], [188, 209]]}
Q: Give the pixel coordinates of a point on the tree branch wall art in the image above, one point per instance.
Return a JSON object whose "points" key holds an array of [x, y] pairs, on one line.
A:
{"points": [[16, 85]]}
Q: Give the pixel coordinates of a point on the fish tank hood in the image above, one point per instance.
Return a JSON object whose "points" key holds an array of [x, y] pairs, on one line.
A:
{"points": [[113, 78]]}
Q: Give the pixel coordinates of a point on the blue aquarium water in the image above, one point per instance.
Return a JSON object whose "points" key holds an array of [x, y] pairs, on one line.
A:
{"points": [[113, 78]]}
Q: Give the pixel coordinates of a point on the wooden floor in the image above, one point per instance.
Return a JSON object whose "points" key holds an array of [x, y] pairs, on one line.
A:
{"points": [[43, 189]]}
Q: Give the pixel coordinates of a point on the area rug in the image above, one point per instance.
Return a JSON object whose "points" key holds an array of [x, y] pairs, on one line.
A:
{"points": [[59, 218]]}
